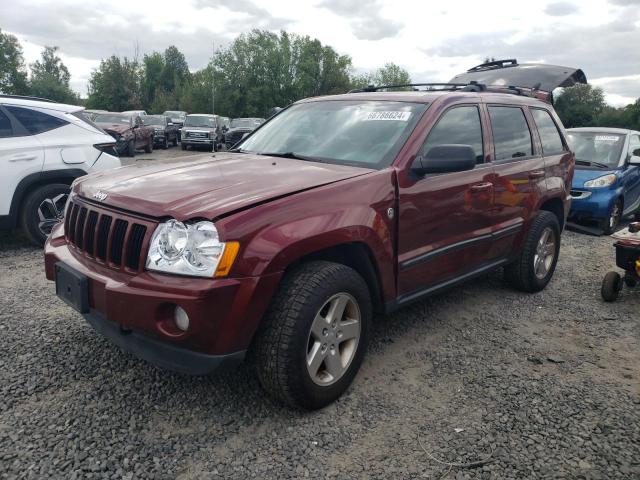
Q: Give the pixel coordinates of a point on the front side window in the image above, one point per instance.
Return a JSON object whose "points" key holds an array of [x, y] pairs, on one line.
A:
{"points": [[549, 135], [364, 133], [511, 134], [5, 126], [460, 125], [634, 145], [35, 122]]}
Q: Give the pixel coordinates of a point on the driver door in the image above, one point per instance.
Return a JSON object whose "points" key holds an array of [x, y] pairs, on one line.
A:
{"points": [[445, 219]]}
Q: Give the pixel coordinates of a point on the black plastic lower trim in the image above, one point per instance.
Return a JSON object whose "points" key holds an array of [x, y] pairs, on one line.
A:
{"points": [[162, 354]]}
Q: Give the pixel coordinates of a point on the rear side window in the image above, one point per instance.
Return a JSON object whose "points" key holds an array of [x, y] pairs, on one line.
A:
{"points": [[511, 135], [35, 122], [549, 135], [5, 126], [460, 125]]}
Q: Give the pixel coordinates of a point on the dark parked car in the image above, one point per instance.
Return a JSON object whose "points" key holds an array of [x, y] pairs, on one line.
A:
{"points": [[177, 118], [164, 130], [287, 245], [128, 130], [200, 129], [239, 128]]}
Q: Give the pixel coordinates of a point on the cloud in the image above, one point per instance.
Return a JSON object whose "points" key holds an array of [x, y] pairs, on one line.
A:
{"points": [[560, 9], [627, 87], [614, 51], [364, 17], [258, 17], [625, 3]]}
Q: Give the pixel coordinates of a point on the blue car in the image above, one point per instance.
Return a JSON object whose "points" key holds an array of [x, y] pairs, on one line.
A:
{"points": [[606, 183]]}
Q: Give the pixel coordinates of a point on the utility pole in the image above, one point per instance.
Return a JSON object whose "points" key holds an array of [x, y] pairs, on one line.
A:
{"points": [[213, 78]]}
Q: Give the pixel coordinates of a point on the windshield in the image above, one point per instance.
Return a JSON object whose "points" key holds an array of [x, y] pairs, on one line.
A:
{"points": [[119, 118], [193, 121], [360, 133], [597, 147], [153, 120], [246, 122]]}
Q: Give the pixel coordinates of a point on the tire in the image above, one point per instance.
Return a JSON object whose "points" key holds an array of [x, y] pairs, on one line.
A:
{"points": [[175, 141], [610, 224], [524, 273], [611, 286], [148, 148], [44, 203], [165, 143], [131, 148], [285, 339], [183, 146]]}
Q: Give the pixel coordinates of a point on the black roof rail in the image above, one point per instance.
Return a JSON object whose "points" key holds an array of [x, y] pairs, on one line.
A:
{"points": [[472, 86], [493, 64], [27, 97]]}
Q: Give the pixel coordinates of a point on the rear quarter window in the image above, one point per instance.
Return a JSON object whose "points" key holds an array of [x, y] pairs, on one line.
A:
{"points": [[35, 122], [549, 134], [511, 134]]}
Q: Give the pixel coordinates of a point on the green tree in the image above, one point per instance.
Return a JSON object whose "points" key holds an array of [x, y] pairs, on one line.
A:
{"points": [[580, 105], [261, 69], [115, 85], [151, 78], [390, 74], [13, 74], [175, 71], [50, 78]]}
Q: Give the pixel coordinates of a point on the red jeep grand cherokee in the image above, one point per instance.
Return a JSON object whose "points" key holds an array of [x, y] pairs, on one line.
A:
{"points": [[335, 208]]}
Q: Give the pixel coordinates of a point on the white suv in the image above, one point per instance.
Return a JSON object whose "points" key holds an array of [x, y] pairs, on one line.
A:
{"points": [[44, 146]]}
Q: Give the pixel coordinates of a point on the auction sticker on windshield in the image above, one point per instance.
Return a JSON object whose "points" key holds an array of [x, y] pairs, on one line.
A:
{"points": [[396, 116], [607, 138]]}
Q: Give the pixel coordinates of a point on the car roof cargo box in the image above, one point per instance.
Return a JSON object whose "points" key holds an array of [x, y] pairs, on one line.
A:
{"points": [[509, 72]]}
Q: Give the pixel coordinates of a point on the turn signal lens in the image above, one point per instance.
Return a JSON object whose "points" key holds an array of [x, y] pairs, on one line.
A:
{"points": [[228, 257]]}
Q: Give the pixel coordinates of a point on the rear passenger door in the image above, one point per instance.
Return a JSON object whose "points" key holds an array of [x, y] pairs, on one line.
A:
{"points": [[519, 175], [21, 154]]}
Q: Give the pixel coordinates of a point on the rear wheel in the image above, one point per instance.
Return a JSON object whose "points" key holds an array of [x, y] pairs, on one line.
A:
{"points": [[313, 339], [42, 209], [610, 224], [611, 286], [533, 269]]}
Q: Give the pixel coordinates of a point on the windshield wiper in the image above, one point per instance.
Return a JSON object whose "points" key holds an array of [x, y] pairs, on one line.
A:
{"points": [[293, 155], [595, 164]]}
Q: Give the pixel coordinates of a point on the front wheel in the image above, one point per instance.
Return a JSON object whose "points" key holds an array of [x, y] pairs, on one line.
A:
{"points": [[148, 148], [42, 209], [610, 224], [131, 148], [533, 269], [314, 336], [165, 143]]}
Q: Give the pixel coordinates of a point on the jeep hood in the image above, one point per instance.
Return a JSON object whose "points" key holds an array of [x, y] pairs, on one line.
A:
{"points": [[208, 187], [531, 75]]}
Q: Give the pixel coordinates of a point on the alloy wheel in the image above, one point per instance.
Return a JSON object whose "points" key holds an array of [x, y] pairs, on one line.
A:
{"points": [[545, 253], [51, 212], [333, 339]]}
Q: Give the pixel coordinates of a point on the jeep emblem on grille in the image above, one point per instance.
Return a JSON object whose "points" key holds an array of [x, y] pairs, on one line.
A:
{"points": [[100, 195]]}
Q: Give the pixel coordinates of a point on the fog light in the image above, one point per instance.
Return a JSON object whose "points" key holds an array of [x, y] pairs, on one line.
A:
{"points": [[181, 318]]}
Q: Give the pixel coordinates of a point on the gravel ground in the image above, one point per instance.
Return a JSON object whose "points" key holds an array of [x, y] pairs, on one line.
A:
{"points": [[546, 385]]}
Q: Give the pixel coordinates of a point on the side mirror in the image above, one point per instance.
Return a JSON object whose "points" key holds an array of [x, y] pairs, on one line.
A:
{"points": [[445, 159], [634, 160]]}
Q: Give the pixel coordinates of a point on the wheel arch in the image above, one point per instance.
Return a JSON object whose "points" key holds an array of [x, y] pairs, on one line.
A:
{"points": [[35, 180], [555, 206]]}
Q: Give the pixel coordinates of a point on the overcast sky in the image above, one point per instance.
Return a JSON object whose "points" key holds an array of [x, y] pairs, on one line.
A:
{"points": [[432, 40]]}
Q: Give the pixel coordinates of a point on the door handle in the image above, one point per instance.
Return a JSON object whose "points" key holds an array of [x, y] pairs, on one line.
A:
{"points": [[536, 174], [22, 158], [481, 187]]}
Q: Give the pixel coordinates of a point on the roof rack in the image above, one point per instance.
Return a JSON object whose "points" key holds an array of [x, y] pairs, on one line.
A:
{"points": [[493, 64], [462, 87], [27, 97]]}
